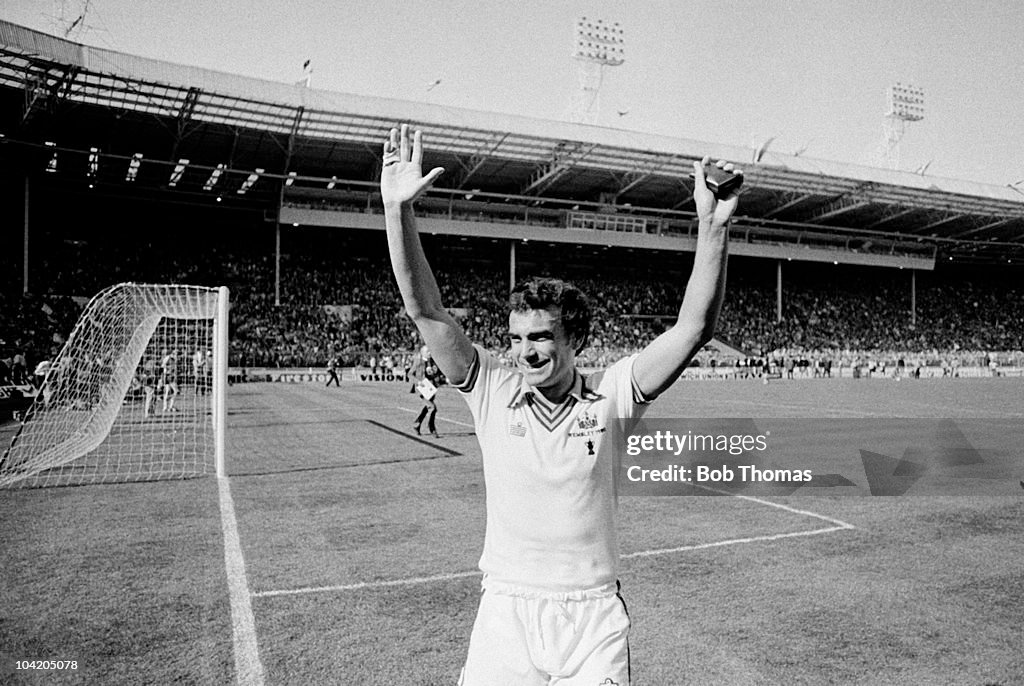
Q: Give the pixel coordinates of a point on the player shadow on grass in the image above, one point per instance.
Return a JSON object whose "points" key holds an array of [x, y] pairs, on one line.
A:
{"points": [[350, 465], [451, 434]]}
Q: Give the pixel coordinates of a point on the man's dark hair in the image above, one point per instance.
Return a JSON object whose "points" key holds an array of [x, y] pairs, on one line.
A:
{"points": [[540, 293]]}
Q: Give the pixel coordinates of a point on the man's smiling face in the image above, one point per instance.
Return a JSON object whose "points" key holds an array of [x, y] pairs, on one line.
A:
{"points": [[541, 349]]}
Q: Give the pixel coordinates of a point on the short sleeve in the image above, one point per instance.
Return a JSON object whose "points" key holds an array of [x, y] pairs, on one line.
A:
{"points": [[487, 382], [617, 382]]}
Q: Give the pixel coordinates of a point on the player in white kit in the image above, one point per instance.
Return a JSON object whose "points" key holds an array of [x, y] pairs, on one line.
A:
{"points": [[550, 612]]}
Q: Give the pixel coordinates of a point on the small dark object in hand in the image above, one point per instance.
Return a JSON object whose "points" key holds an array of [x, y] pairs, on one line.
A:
{"points": [[719, 181]]}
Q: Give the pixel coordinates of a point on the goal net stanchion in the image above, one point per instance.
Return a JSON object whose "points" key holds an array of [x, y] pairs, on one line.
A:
{"points": [[220, 380], [137, 393]]}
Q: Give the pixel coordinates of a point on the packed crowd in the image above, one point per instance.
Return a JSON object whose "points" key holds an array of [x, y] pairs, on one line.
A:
{"points": [[842, 320]]}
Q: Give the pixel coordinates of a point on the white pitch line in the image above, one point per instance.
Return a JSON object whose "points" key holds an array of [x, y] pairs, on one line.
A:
{"points": [[443, 419], [839, 523], [807, 513], [733, 541], [248, 668], [368, 584], [413, 581]]}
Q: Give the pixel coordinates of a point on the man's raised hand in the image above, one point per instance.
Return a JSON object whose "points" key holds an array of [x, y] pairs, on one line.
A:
{"points": [[401, 177], [712, 209]]}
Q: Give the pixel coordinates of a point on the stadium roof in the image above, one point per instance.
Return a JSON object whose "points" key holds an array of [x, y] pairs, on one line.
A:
{"points": [[97, 109]]}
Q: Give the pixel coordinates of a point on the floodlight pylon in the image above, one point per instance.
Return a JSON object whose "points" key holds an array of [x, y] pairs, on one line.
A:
{"points": [[905, 104], [596, 45]]}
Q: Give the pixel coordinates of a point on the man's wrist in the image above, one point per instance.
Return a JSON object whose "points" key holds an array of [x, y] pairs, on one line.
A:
{"points": [[710, 225], [399, 210]]}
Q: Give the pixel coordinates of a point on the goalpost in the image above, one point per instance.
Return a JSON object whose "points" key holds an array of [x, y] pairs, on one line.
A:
{"points": [[138, 393]]}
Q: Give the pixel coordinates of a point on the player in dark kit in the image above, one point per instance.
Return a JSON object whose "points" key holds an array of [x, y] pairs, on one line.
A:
{"points": [[428, 379], [332, 369]]}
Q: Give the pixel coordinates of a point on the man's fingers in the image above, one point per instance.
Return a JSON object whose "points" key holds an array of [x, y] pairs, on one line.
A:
{"points": [[698, 174], [391, 143], [433, 174], [391, 148], [417, 148], [404, 145], [427, 180]]}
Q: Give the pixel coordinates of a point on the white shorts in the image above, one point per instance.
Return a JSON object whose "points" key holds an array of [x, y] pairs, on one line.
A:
{"points": [[533, 638]]}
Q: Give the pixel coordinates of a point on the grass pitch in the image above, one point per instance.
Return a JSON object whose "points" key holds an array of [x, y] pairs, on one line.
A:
{"points": [[360, 542]]}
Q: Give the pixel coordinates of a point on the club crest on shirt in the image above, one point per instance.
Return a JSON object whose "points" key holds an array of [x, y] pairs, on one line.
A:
{"points": [[517, 428], [587, 424]]}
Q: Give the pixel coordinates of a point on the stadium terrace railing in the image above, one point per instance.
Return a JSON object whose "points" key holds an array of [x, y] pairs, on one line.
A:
{"points": [[636, 221]]}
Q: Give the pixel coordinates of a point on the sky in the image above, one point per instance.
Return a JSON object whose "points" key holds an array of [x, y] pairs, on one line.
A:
{"points": [[812, 75]]}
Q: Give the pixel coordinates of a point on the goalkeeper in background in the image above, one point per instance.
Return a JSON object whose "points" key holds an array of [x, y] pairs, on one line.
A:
{"points": [[550, 610]]}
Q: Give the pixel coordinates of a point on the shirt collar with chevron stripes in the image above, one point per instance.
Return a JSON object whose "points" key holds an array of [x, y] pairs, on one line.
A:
{"points": [[580, 392]]}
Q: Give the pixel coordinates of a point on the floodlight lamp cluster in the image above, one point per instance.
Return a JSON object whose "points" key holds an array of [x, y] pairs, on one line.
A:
{"points": [[214, 177], [51, 166], [599, 42], [133, 167], [906, 102], [57, 162], [250, 180], [179, 170]]}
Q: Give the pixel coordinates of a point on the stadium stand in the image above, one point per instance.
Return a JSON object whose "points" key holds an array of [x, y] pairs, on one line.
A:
{"points": [[606, 207], [843, 313]]}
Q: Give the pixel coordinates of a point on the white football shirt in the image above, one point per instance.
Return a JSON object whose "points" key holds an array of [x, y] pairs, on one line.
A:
{"points": [[549, 472]]}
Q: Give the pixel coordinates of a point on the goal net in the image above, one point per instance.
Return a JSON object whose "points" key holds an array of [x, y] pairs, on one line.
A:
{"points": [[136, 394]]}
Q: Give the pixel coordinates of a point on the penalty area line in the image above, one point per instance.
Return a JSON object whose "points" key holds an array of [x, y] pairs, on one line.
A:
{"points": [[839, 524], [734, 541], [413, 581]]}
